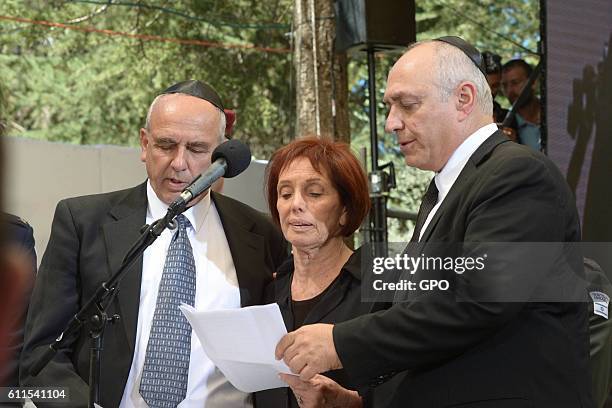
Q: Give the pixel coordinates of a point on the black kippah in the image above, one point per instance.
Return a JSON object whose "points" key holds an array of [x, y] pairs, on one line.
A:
{"points": [[198, 89], [468, 49]]}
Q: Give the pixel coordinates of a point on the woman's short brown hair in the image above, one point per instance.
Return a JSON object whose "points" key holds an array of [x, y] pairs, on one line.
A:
{"points": [[341, 166]]}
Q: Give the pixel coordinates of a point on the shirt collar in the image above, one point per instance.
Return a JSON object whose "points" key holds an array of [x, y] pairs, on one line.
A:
{"points": [[352, 265], [195, 214], [522, 122], [282, 283], [451, 170]]}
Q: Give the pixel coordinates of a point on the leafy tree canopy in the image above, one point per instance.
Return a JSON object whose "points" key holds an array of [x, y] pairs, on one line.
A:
{"points": [[85, 87], [89, 88]]}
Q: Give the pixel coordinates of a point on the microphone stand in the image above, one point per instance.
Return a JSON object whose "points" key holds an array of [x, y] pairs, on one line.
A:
{"points": [[380, 182], [93, 314]]}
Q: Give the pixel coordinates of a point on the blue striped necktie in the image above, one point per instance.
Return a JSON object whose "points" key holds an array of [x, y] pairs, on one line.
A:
{"points": [[166, 367]]}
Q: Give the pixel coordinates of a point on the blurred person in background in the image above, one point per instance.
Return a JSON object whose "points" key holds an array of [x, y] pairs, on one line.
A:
{"points": [[493, 69], [17, 270], [515, 74]]}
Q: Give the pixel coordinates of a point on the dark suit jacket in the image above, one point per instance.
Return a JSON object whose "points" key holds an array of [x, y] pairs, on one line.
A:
{"points": [[89, 238], [477, 353], [342, 301], [600, 330]]}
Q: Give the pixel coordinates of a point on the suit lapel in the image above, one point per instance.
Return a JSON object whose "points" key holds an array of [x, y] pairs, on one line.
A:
{"points": [[481, 154], [246, 247], [119, 235]]}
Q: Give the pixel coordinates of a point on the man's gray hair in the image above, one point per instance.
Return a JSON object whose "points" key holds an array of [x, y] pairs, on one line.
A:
{"points": [[452, 67], [222, 120]]}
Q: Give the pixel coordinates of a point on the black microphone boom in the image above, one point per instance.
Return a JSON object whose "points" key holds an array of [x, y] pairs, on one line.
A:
{"points": [[228, 160]]}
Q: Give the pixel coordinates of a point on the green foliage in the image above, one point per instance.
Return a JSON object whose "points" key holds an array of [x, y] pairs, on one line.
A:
{"points": [[81, 87]]}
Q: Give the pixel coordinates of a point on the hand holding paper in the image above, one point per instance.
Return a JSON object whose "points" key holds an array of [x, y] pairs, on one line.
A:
{"points": [[241, 343], [309, 350]]}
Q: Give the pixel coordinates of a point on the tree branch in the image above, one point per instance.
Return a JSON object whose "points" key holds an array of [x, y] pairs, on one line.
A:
{"points": [[100, 10]]}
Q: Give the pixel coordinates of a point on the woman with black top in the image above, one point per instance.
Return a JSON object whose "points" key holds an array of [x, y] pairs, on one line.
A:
{"points": [[317, 192]]}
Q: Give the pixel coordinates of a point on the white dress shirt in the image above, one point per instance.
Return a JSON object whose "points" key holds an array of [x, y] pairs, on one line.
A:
{"points": [[448, 175], [216, 288]]}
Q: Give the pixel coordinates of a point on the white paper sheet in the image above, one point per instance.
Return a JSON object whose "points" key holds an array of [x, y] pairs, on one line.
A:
{"points": [[241, 343]]}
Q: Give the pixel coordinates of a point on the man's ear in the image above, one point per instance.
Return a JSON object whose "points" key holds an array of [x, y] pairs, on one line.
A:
{"points": [[144, 142], [466, 99]]}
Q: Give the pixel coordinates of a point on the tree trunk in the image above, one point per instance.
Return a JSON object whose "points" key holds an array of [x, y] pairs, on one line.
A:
{"points": [[321, 92]]}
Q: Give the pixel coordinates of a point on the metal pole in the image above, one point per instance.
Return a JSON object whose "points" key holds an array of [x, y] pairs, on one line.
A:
{"points": [[378, 178], [372, 99], [95, 350]]}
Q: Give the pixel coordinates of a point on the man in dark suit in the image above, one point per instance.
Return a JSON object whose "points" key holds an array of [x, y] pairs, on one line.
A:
{"points": [[234, 248], [511, 335]]}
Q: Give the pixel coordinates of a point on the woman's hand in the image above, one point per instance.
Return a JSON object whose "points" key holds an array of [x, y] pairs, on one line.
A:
{"points": [[321, 392]]}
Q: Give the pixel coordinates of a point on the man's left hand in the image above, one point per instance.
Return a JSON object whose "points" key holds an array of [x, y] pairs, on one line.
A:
{"points": [[309, 350], [321, 392]]}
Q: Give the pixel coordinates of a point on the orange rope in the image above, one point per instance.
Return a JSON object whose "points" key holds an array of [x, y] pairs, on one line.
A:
{"points": [[145, 37]]}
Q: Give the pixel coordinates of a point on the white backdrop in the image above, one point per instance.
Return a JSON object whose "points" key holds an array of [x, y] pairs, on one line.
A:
{"points": [[39, 174]]}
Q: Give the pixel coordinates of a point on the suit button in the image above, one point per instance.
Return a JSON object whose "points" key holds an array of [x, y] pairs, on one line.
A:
{"points": [[378, 381]]}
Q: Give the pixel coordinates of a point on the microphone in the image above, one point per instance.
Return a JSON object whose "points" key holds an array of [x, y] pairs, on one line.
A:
{"points": [[228, 160]]}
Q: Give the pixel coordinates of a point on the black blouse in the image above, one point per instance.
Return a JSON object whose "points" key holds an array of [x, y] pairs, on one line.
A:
{"points": [[340, 301]]}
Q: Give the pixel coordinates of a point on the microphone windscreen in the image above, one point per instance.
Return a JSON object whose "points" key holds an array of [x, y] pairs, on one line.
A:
{"points": [[237, 155]]}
